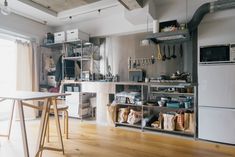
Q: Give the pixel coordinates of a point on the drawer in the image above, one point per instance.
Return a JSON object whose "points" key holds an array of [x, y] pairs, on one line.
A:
{"points": [[216, 124]]}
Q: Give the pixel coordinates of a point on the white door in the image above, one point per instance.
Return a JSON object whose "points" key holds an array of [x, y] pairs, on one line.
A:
{"points": [[216, 124], [216, 86]]}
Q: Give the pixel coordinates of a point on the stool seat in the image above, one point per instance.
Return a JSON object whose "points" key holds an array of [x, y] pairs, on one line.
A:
{"points": [[64, 109], [60, 107]]}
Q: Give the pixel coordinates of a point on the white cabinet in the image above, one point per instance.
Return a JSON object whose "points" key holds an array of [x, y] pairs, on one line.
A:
{"points": [[73, 102], [78, 103], [214, 124], [216, 85]]}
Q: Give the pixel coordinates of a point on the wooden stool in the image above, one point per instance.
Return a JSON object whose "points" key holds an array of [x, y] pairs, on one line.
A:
{"points": [[64, 109], [61, 108]]}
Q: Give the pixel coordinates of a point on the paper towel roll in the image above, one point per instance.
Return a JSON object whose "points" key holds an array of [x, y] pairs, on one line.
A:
{"points": [[155, 26]]}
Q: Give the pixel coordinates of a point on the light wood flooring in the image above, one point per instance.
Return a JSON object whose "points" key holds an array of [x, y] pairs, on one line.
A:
{"points": [[89, 140]]}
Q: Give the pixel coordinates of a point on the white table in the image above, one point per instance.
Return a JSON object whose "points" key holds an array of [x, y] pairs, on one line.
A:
{"points": [[19, 97]]}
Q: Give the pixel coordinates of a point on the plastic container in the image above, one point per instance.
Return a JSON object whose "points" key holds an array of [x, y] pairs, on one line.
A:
{"points": [[173, 105]]}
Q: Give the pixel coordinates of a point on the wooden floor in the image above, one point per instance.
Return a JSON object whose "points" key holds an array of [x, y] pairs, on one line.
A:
{"points": [[89, 140]]}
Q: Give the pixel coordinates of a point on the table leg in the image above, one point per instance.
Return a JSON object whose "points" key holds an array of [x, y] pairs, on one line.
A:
{"points": [[57, 123], [45, 128], [11, 118], [42, 128], [23, 129]]}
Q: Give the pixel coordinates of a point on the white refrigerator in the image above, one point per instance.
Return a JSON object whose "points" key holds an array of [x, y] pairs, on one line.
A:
{"points": [[216, 101]]}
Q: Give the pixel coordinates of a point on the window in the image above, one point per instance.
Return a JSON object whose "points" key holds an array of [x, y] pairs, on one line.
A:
{"points": [[7, 73], [7, 65]]}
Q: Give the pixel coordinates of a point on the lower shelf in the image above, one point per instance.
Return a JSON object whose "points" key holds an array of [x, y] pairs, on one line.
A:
{"points": [[184, 133], [138, 125]]}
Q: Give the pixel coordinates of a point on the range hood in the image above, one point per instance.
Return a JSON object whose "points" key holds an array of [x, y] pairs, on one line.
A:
{"points": [[175, 36]]}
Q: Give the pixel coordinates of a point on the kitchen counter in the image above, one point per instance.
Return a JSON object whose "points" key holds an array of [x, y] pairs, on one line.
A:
{"points": [[104, 89]]}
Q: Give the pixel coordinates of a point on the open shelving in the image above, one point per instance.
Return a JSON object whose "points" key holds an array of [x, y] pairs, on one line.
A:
{"points": [[154, 108], [184, 133]]}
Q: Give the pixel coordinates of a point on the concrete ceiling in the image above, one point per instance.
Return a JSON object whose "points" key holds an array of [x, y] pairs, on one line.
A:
{"points": [[62, 5], [85, 10], [78, 13]]}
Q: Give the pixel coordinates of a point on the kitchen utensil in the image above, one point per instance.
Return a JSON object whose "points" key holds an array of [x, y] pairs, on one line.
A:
{"points": [[152, 59], [134, 64], [159, 55], [181, 50], [138, 63], [164, 53], [161, 103], [173, 55], [165, 99], [169, 53]]}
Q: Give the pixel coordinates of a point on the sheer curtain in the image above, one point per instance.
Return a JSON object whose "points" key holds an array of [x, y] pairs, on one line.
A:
{"points": [[27, 71]]}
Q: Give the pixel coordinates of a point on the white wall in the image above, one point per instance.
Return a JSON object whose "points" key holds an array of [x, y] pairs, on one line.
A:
{"points": [[119, 48], [217, 32]]}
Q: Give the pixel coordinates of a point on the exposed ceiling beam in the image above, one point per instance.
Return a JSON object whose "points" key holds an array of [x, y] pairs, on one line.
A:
{"points": [[132, 4], [39, 7]]}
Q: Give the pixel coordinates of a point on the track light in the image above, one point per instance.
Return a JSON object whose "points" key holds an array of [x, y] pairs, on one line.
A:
{"points": [[5, 10]]}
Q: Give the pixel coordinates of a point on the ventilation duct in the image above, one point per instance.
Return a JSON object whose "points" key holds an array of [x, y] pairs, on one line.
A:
{"points": [[132, 4], [209, 8]]}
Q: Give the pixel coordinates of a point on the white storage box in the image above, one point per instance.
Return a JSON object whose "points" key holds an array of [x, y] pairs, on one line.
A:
{"points": [[59, 37], [76, 35]]}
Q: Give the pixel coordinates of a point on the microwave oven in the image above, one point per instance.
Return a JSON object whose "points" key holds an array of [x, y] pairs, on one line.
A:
{"points": [[217, 54]]}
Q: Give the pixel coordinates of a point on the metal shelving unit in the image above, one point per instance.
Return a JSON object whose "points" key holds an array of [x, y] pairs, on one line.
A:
{"points": [[146, 107], [84, 56], [165, 109], [82, 52]]}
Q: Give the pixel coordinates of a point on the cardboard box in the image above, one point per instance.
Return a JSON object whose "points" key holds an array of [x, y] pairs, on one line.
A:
{"points": [[76, 35], [59, 37]]}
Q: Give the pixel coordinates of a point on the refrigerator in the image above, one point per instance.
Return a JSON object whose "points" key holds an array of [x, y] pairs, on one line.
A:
{"points": [[216, 101]]}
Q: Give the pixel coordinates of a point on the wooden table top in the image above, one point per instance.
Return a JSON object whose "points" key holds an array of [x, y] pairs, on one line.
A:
{"points": [[27, 95]]}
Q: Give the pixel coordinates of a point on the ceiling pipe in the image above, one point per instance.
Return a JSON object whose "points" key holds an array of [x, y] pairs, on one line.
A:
{"points": [[206, 8]]}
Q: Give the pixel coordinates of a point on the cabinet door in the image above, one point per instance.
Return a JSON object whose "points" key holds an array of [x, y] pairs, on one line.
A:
{"points": [[216, 124], [216, 85], [73, 102]]}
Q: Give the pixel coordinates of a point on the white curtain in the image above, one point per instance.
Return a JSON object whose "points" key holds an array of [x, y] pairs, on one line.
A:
{"points": [[27, 72]]}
